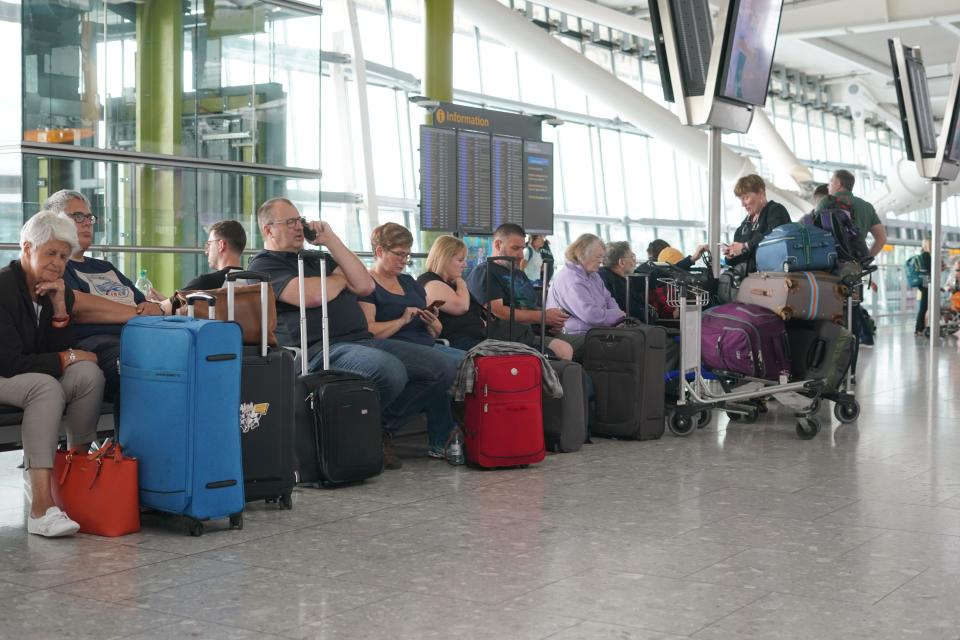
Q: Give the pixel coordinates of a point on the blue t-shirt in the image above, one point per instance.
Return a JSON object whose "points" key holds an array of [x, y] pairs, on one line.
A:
{"points": [[100, 278], [391, 306]]}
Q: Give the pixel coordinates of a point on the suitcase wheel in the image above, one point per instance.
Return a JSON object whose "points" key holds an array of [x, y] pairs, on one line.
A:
{"points": [[808, 428], [236, 521], [194, 528]]}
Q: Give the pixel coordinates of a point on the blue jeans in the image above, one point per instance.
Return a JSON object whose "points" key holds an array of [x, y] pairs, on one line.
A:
{"points": [[411, 378]]}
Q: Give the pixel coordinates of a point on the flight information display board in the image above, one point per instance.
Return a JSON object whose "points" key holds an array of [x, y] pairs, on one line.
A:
{"points": [[538, 187], [473, 182], [438, 179], [506, 169]]}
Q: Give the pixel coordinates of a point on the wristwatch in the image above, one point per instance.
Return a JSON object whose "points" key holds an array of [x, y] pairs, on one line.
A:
{"points": [[71, 356]]}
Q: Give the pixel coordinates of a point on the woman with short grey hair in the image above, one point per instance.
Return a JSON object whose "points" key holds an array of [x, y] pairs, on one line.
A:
{"points": [[39, 371]]}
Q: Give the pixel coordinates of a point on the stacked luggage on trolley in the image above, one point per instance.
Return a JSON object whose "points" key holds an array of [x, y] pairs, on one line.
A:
{"points": [[785, 335]]}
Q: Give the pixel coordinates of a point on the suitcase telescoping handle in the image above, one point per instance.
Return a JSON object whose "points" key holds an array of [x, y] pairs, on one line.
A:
{"points": [[544, 280], [263, 278], [323, 310], [513, 266], [209, 299]]}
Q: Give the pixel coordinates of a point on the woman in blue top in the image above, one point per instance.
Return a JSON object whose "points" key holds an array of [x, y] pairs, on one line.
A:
{"points": [[396, 309]]}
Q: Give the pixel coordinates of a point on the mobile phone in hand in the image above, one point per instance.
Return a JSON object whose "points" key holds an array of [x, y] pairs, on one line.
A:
{"points": [[308, 232], [434, 306]]}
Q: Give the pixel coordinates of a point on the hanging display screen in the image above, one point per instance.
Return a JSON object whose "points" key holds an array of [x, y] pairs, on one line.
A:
{"points": [[751, 40]]}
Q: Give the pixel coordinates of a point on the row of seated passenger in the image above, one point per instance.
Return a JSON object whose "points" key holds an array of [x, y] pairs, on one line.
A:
{"points": [[63, 313]]}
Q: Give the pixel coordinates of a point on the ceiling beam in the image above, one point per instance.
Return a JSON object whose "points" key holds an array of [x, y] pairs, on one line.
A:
{"points": [[949, 27], [864, 62]]}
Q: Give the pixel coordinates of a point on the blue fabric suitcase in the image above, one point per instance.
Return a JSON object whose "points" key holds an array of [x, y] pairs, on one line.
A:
{"points": [[795, 247], [180, 415]]}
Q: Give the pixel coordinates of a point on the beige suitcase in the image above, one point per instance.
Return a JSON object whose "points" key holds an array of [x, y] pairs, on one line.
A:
{"points": [[800, 295]]}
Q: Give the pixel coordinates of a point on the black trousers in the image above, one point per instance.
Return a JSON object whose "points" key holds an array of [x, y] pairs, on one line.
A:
{"points": [[922, 310]]}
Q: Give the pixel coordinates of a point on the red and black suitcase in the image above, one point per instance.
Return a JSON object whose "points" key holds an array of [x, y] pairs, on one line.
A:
{"points": [[503, 422]]}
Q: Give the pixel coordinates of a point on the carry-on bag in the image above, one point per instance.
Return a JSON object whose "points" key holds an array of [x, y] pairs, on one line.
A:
{"points": [[820, 351], [267, 387], [98, 489], [795, 247], [837, 218], [805, 295], [503, 415], [627, 365], [745, 339], [180, 414], [564, 418], [245, 310], [338, 434]]}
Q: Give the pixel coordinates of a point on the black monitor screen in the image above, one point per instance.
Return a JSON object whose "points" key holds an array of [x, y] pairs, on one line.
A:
{"points": [[922, 107], [538, 187], [751, 38], [952, 153]]}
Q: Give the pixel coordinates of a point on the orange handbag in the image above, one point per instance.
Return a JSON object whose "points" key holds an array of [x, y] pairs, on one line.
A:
{"points": [[99, 491]]}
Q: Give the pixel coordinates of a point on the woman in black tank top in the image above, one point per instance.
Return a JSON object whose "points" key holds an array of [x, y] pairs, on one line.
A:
{"points": [[460, 314]]}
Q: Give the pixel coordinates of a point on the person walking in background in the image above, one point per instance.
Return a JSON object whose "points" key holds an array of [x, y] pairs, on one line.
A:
{"points": [[923, 298]]}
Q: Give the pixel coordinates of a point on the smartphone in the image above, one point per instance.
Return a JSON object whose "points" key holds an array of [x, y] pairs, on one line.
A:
{"points": [[434, 306], [308, 233]]}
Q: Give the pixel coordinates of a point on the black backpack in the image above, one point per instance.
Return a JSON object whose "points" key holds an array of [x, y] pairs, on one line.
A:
{"points": [[837, 218]]}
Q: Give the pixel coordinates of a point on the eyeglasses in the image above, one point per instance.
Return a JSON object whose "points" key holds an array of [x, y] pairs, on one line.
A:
{"points": [[402, 255], [206, 245], [289, 222], [80, 217]]}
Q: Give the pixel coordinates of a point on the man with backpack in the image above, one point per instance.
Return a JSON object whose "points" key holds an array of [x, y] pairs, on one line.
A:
{"points": [[865, 218], [918, 277]]}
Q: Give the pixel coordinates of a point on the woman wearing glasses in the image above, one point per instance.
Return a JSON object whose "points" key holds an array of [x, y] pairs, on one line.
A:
{"points": [[397, 309]]}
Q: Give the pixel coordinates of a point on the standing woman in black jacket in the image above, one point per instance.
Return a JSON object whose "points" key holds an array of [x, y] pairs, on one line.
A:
{"points": [[39, 372], [763, 216]]}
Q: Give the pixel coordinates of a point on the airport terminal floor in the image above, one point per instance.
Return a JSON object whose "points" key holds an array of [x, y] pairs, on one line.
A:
{"points": [[738, 531]]}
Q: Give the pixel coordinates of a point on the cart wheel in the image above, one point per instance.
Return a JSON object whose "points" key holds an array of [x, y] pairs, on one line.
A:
{"points": [[195, 528], [286, 501], [751, 417], [847, 412], [236, 521], [808, 428], [926, 332], [704, 418], [681, 425], [734, 417]]}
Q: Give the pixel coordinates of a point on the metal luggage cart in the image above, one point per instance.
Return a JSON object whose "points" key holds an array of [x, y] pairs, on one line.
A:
{"points": [[737, 394]]}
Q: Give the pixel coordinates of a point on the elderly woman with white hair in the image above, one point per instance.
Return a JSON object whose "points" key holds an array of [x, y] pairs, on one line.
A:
{"points": [[579, 290], [39, 371]]}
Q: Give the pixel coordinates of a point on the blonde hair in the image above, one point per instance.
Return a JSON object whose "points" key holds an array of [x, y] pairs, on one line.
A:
{"points": [[390, 235], [444, 249], [579, 247]]}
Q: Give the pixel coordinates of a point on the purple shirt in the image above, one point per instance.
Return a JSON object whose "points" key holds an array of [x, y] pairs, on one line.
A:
{"points": [[584, 296]]}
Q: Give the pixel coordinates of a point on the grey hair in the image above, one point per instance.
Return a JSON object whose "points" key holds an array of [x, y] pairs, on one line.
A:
{"points": [[47, 225], [58, 202], [615, 252]]}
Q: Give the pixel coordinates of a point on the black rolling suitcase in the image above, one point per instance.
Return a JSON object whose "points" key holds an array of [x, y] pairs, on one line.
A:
{"points": [[564, 418], [266, 408], [627, 366], [338, 435]]}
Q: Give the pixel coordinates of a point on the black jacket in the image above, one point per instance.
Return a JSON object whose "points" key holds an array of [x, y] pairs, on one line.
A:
{"points": [[771, 216], [25, 346], [617, 286]]}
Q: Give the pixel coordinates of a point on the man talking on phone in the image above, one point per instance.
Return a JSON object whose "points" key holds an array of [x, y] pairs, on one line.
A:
{"points": [[411, 378]]}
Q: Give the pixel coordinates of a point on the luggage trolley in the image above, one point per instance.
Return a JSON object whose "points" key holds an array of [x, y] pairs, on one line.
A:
{"points": [[696, 397]]}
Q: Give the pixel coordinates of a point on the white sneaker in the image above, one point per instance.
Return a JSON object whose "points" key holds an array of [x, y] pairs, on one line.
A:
{"points": [[27, 486], [53, 524]]}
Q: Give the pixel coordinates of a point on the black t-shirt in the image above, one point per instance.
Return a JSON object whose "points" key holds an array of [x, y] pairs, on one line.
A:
{"points": [[771, 216], [469, 325], [214, 280], [347, 322]]}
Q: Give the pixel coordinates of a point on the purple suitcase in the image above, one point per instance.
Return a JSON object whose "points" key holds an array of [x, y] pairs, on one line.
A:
{"points": [[747, 339]]}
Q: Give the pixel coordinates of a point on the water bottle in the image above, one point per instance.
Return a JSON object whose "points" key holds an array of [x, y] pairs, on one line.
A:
{"points": [[455, 449], [481, 255], [143, 283]]}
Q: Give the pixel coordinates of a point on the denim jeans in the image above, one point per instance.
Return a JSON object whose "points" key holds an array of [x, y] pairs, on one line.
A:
{"points": [[411, 378]]}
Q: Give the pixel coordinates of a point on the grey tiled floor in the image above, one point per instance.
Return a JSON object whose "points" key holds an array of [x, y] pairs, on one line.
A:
{"points": [[739, 531]]}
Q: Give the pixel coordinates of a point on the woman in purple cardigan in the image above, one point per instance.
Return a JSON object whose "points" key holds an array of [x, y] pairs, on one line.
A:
{"points": [[578, 288]]}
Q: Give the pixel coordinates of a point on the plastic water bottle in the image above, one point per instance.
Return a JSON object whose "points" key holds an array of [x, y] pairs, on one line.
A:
{"points": [[455, 449], [481, 255], [143, 283]]}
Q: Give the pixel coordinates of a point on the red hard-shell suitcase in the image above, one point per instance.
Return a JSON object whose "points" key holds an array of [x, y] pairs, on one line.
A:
{"points": [[504, 415]]}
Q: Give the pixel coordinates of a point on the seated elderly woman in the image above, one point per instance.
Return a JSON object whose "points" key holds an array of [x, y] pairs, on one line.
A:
{"points": [[39, 372], [618, 263], [397, 310], [579, 290]]}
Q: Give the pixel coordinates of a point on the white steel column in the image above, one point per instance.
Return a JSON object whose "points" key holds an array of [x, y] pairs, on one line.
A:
{"points": [[936, 257], [714, 137]]}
